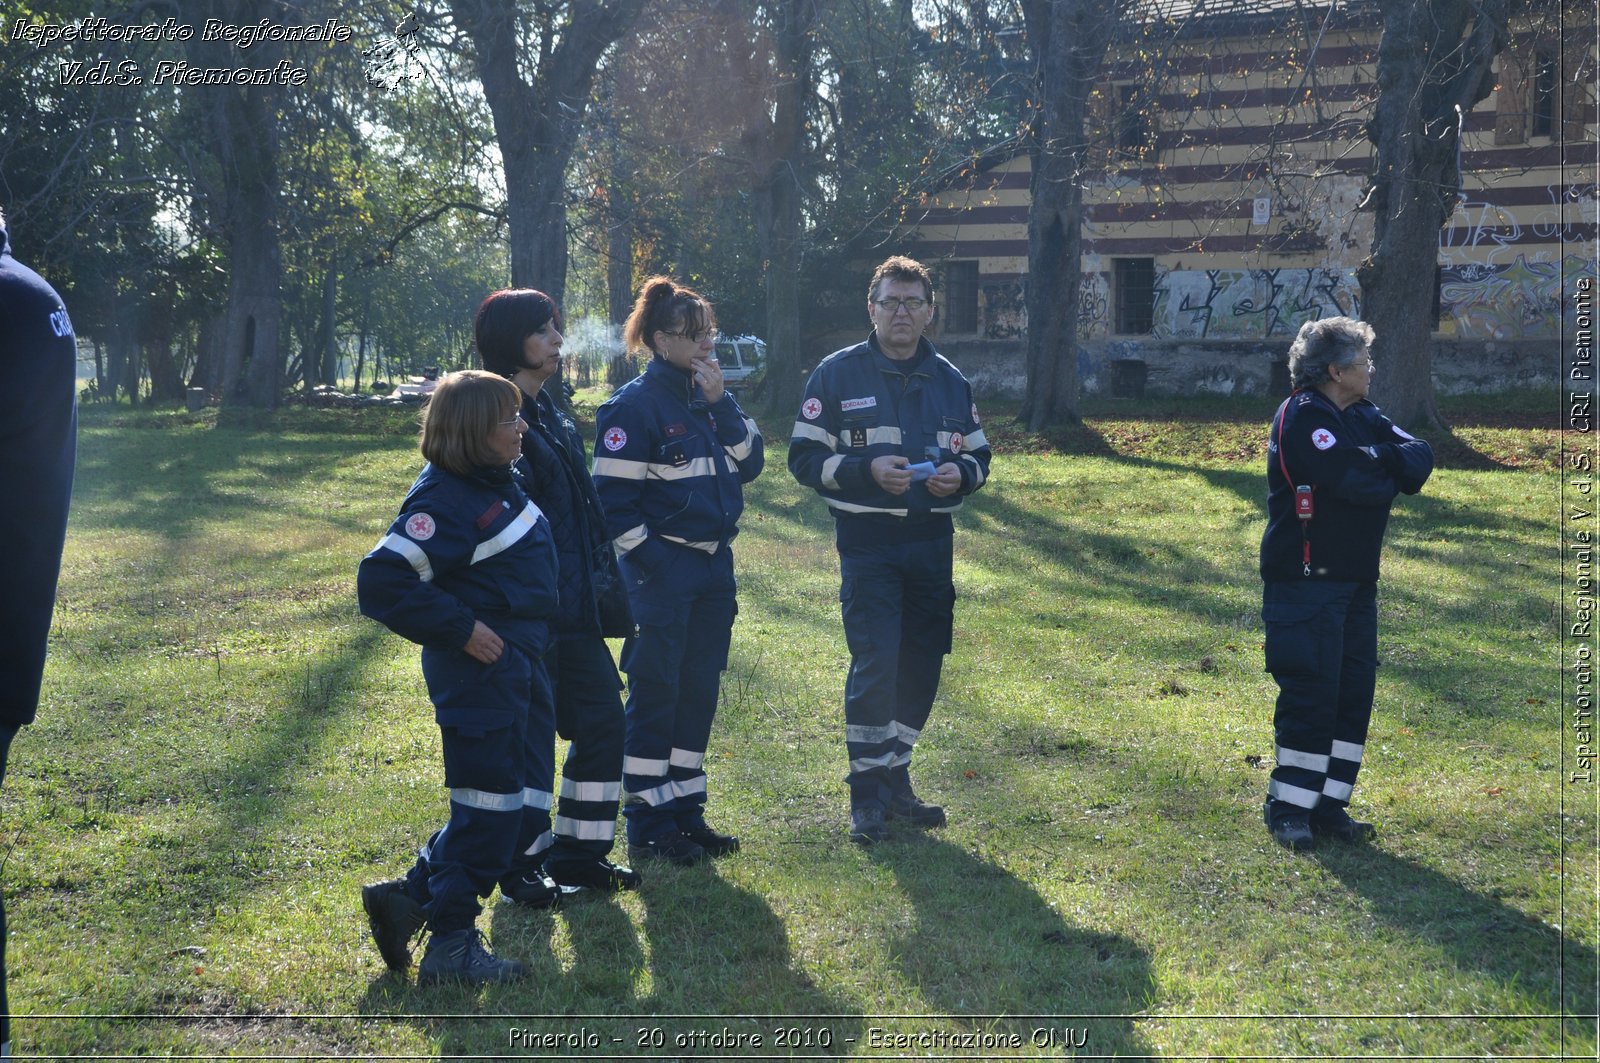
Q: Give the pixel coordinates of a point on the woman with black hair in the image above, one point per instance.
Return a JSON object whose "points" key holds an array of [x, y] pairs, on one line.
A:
{"points": [[518, 334], [673, 453]]}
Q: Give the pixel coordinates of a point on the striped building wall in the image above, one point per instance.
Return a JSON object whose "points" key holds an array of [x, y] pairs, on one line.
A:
{"points": [[1236, 248]]}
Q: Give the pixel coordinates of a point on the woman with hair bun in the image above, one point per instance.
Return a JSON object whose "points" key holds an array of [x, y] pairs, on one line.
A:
{"points": [[673, 452]]}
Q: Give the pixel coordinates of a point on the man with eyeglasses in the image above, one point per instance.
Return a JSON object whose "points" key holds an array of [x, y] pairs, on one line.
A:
{"points": [[1334, 466], [888, 435]]}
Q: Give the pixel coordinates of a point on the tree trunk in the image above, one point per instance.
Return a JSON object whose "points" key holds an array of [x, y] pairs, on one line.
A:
{"points": [[166, 382], [536, 124], [329, 330], [1434, 66], [619, 297], [775, 148], [778, 226], [243, 123], [1068, 39]]}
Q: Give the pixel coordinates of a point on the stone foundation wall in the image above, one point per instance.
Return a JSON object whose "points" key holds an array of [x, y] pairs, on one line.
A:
{"points": [[1129, 367]]}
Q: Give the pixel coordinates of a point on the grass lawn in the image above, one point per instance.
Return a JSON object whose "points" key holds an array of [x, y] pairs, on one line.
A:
{"points": [[226, 751]]}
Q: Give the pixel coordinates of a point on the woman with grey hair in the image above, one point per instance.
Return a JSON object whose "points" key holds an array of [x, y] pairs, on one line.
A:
{"points": [[1334, 466]]}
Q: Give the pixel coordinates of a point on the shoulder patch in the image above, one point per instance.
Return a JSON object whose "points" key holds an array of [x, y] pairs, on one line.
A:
{"points": [[975, 414], [956, 441], [811, 409], [615, 438], [1322, 439], [421, 527], [1402, 433]]}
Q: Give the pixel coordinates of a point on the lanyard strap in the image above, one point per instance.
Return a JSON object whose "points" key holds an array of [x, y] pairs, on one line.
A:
{"points": [[1303, 510]]}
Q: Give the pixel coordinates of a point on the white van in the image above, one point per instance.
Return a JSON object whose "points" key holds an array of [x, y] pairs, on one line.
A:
{"points": [[742, 358]]}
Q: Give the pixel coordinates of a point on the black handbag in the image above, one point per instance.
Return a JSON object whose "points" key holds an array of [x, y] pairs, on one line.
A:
{"points": [[611, 595]]}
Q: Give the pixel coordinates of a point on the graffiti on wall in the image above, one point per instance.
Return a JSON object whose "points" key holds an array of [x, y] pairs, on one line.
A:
{"points": [[1518, 301], [1248, 303], [1488, 232], [1004, 311]]}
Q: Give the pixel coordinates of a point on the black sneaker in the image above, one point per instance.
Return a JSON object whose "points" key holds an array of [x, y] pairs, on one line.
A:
{"points": [[674, 848], [914, 810], [575, 876], [1338, 825], [395, 920], [867, 826], [531, 889], [461, 956], [712, 842], [1292, 830]]}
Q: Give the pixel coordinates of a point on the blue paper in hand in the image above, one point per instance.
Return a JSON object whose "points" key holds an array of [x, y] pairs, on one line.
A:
{"points": [[921, 470]]}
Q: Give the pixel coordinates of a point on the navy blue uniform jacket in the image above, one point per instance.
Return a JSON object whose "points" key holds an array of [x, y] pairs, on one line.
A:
{"points": [[556, 475], [463, 549], [38, 439], [670, 466], [1357, 460], [859, 405]]}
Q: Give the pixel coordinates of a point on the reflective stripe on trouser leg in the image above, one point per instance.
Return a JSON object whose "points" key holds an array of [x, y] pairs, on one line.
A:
{"points": [[897, 604], [538, 780], [869, 602], [926, 629], [476, 848], [1358, 672], [699, 685], [589, 716], [1304, 648], [651, 658]]}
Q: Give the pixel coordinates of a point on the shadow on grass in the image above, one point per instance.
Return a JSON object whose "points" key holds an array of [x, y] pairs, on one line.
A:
{"points": [[1550, 971], [719, 950], [1051, 979], [554, 1000], [718, 963]]}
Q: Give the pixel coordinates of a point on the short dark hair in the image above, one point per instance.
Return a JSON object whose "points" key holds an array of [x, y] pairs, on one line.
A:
{"points": [[505, 319], [664, 305], [901, 268], [1328, 341], [461, 415]]}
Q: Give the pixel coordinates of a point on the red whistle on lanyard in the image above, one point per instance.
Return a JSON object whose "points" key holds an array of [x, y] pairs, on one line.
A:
{"points": [[1304, 508]]}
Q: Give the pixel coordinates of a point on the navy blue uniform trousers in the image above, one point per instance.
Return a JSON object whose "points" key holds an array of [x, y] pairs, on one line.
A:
{"points": [[898, 603], [492, 720], [589, 716], [1322, 649], [684, 610]]}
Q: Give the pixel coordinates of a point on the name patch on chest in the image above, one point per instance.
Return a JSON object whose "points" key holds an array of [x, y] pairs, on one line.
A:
{"points": [[858, 404], [673, 431]]}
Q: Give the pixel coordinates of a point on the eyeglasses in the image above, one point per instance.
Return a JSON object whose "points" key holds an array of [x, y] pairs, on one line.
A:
{"points": [[891, 306], [514, 422], [1372, 366], [697, 335]]}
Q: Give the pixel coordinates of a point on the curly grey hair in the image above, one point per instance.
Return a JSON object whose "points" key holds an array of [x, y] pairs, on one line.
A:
{"points": [[1329, 341]]}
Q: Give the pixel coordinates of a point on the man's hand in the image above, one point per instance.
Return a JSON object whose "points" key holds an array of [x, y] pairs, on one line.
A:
{"points": [[708, 374], [945, 481], [484, 646], [891, 474]]}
